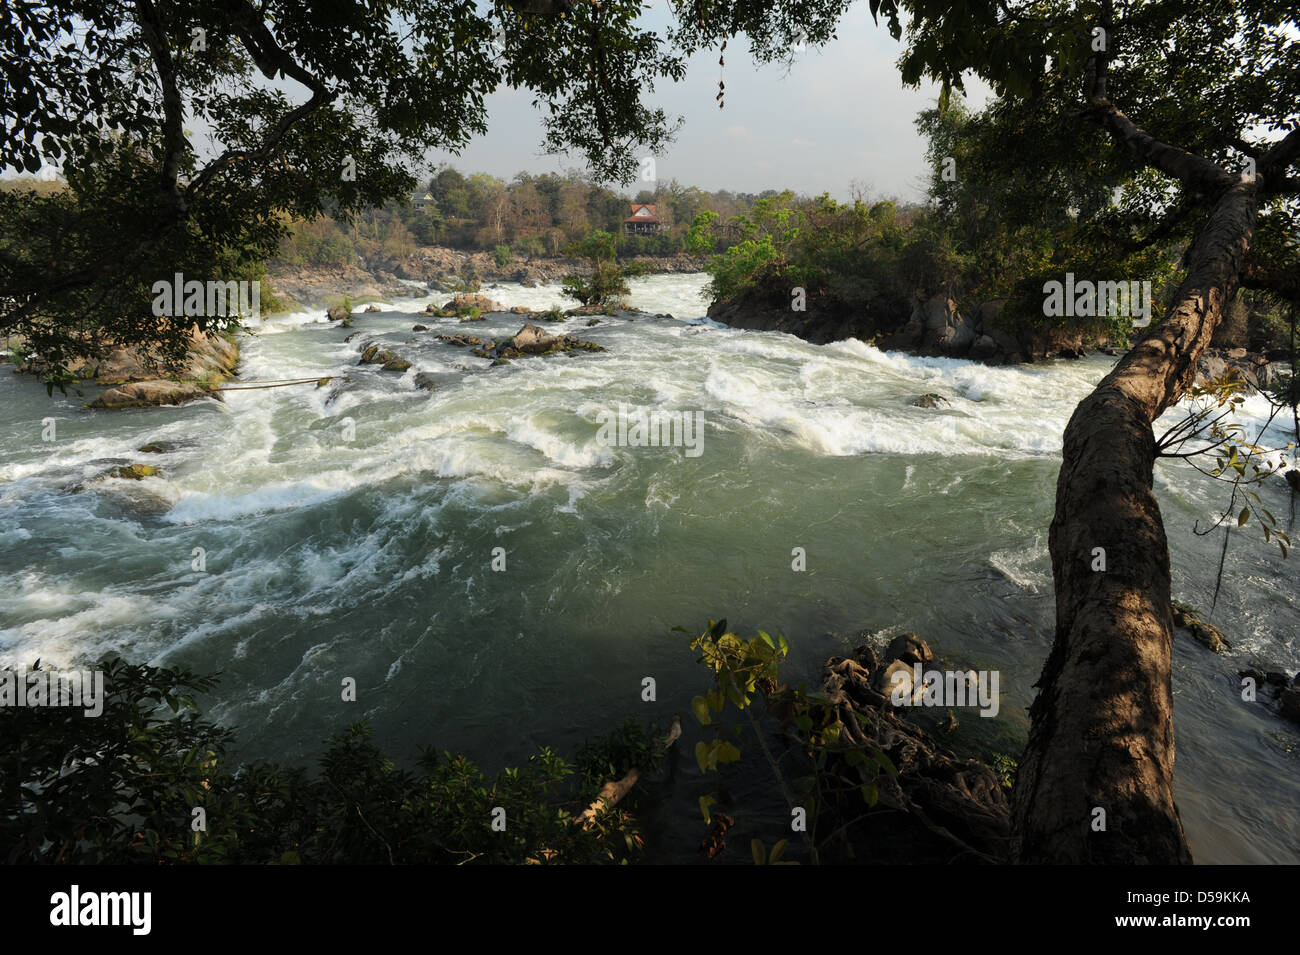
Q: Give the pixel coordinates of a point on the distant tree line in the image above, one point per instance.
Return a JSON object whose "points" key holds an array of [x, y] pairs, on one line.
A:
{"points": [[528, 216]]}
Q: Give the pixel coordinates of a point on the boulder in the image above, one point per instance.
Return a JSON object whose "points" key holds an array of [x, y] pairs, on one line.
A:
{"points": [[1206, 634], [133, 472], [419, 328], [531, 339], [145, 394], [984, 349], [424, 381], [909, 648], [336, 313], [481, 302], [1290, 701], [929, 401]]}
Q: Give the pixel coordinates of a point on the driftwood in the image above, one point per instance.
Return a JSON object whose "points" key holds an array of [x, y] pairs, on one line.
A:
{"points": [[615, 790]]}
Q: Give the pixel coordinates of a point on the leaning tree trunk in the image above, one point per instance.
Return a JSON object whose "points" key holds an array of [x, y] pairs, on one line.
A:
{"points": [[1102, 733]]}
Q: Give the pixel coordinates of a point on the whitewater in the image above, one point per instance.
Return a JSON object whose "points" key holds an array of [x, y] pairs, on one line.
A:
{"points": [[349, 531]]}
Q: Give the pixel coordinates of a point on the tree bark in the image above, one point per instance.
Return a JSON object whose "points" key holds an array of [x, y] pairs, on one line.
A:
{"points": [[1101, 736]]}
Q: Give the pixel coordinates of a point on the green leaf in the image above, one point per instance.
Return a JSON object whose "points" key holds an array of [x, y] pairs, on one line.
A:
{"points": [[702, 754], [705, 803], [726, 752], [700, 707], [777, 851], [870, 794], [1243, 517], [760, 852]]}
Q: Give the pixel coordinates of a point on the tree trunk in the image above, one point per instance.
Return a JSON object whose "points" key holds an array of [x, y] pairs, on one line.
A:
{"points": [[1101, 735]]}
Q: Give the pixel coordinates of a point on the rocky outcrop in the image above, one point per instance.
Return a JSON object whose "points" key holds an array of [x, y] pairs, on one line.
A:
{"points": [[1208, 635], [462, 303], [317, 286], [372, 354], [1255, 370], [1283, 690], [936, 328], [450, 270], [528, 341], [210, 360]]}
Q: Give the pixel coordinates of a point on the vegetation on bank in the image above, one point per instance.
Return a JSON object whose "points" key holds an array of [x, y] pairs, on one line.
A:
{"points": [[150, 781], [993, 229]]}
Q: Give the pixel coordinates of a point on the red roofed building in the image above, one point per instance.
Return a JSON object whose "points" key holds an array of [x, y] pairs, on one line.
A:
{"points": [[642, 221]]}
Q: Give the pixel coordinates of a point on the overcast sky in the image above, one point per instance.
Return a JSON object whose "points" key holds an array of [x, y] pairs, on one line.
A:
{"points": [[840, 115]]}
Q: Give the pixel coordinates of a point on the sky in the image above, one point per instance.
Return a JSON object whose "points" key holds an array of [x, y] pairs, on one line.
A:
{"points": [[839, 117]]}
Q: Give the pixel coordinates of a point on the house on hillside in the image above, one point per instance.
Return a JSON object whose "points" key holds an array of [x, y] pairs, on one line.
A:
{"points": [[642, 221], [425, 203]]}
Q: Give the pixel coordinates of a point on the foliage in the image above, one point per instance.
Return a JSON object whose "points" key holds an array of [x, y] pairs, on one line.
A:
{"points": [[606, 286], [747, 670], [121, 788], [103, 90]]}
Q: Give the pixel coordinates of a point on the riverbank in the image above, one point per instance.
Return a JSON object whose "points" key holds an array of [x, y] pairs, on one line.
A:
{"points": [[936, 328], [436, 269]]}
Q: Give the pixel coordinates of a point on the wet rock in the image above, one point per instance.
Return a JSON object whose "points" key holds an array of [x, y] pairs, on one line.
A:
{"points": [[419, 328], [372, 308], [424, 381], [158, 447], [1290, 701], [909, 648], [1276, 678], [465, 302], [533, 340], [337, 313], [133, 472], [1206, 634], [929, 401], [396, 363], [462, 341], [144, 394]]}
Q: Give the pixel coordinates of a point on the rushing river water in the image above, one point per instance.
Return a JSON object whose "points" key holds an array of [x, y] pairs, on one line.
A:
{"points": [[354, 537]]}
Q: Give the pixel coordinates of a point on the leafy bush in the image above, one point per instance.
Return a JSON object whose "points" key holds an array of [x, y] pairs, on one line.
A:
{"points": [[502, 256], [122, 787], [607, 284]]}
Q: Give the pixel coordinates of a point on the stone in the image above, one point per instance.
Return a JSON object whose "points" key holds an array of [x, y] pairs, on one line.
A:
{"points": [[909, 648], [133, 472], [144, 394]]}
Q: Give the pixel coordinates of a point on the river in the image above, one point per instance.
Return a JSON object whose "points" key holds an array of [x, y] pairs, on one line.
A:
{"points": [[354, 536]]}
